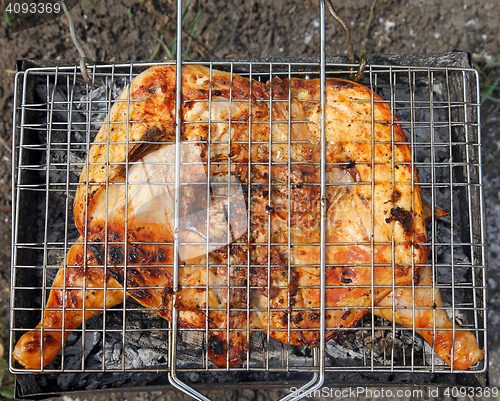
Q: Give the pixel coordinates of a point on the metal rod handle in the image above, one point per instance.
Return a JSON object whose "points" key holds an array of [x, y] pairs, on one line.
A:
{"points": [[83, 56], [358, 75]]}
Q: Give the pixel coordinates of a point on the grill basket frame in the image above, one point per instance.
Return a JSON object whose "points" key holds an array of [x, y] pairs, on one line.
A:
{"points": [[437, 104], [466, 157]]}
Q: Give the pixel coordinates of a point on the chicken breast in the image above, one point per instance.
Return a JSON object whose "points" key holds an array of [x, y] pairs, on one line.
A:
{"points": [[249, 212]]}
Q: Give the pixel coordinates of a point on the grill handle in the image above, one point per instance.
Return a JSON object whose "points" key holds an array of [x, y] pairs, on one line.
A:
{"points": [[83, 56], [358, 75]]}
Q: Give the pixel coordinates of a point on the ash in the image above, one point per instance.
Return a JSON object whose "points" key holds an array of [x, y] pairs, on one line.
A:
{"points": [[132, 339]]}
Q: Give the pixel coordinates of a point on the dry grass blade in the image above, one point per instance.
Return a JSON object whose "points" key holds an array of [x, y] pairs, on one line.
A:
{"points": [[4, 144], [370, 18]]}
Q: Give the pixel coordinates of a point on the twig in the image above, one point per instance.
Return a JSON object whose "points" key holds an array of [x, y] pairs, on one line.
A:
{"points": [[387, 4], [249, 19]]}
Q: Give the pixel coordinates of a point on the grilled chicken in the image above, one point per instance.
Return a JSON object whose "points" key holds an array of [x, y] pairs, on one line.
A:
{"points": [[67, 306], [249, 212], [451, 342]]}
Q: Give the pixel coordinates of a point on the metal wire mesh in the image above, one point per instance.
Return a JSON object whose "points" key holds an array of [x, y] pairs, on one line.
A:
{"points": [[56, 119], [444, 147]]}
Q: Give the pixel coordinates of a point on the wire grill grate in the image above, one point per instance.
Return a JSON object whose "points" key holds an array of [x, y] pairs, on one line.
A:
{"points": [[443, 132]]}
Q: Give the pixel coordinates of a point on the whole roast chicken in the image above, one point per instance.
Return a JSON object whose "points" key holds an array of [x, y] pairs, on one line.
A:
{"points": [[249, 201]]}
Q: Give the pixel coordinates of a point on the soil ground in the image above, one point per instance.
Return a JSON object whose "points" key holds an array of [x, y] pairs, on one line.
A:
{"points": [[130, 30]]}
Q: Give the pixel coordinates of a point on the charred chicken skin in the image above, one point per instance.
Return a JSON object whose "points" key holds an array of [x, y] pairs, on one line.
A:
{"points": [[249, 213]]}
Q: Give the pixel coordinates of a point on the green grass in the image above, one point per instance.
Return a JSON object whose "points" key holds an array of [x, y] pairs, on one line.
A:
{"points": [[8, 17], [489, 78], [172, 50], [95, 8], [367, 29], [155, 52], [6, 381], [192, 28]]}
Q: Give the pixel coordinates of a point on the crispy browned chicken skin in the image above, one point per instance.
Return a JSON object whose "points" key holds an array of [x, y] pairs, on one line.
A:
{"points": [[250, 152]]}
